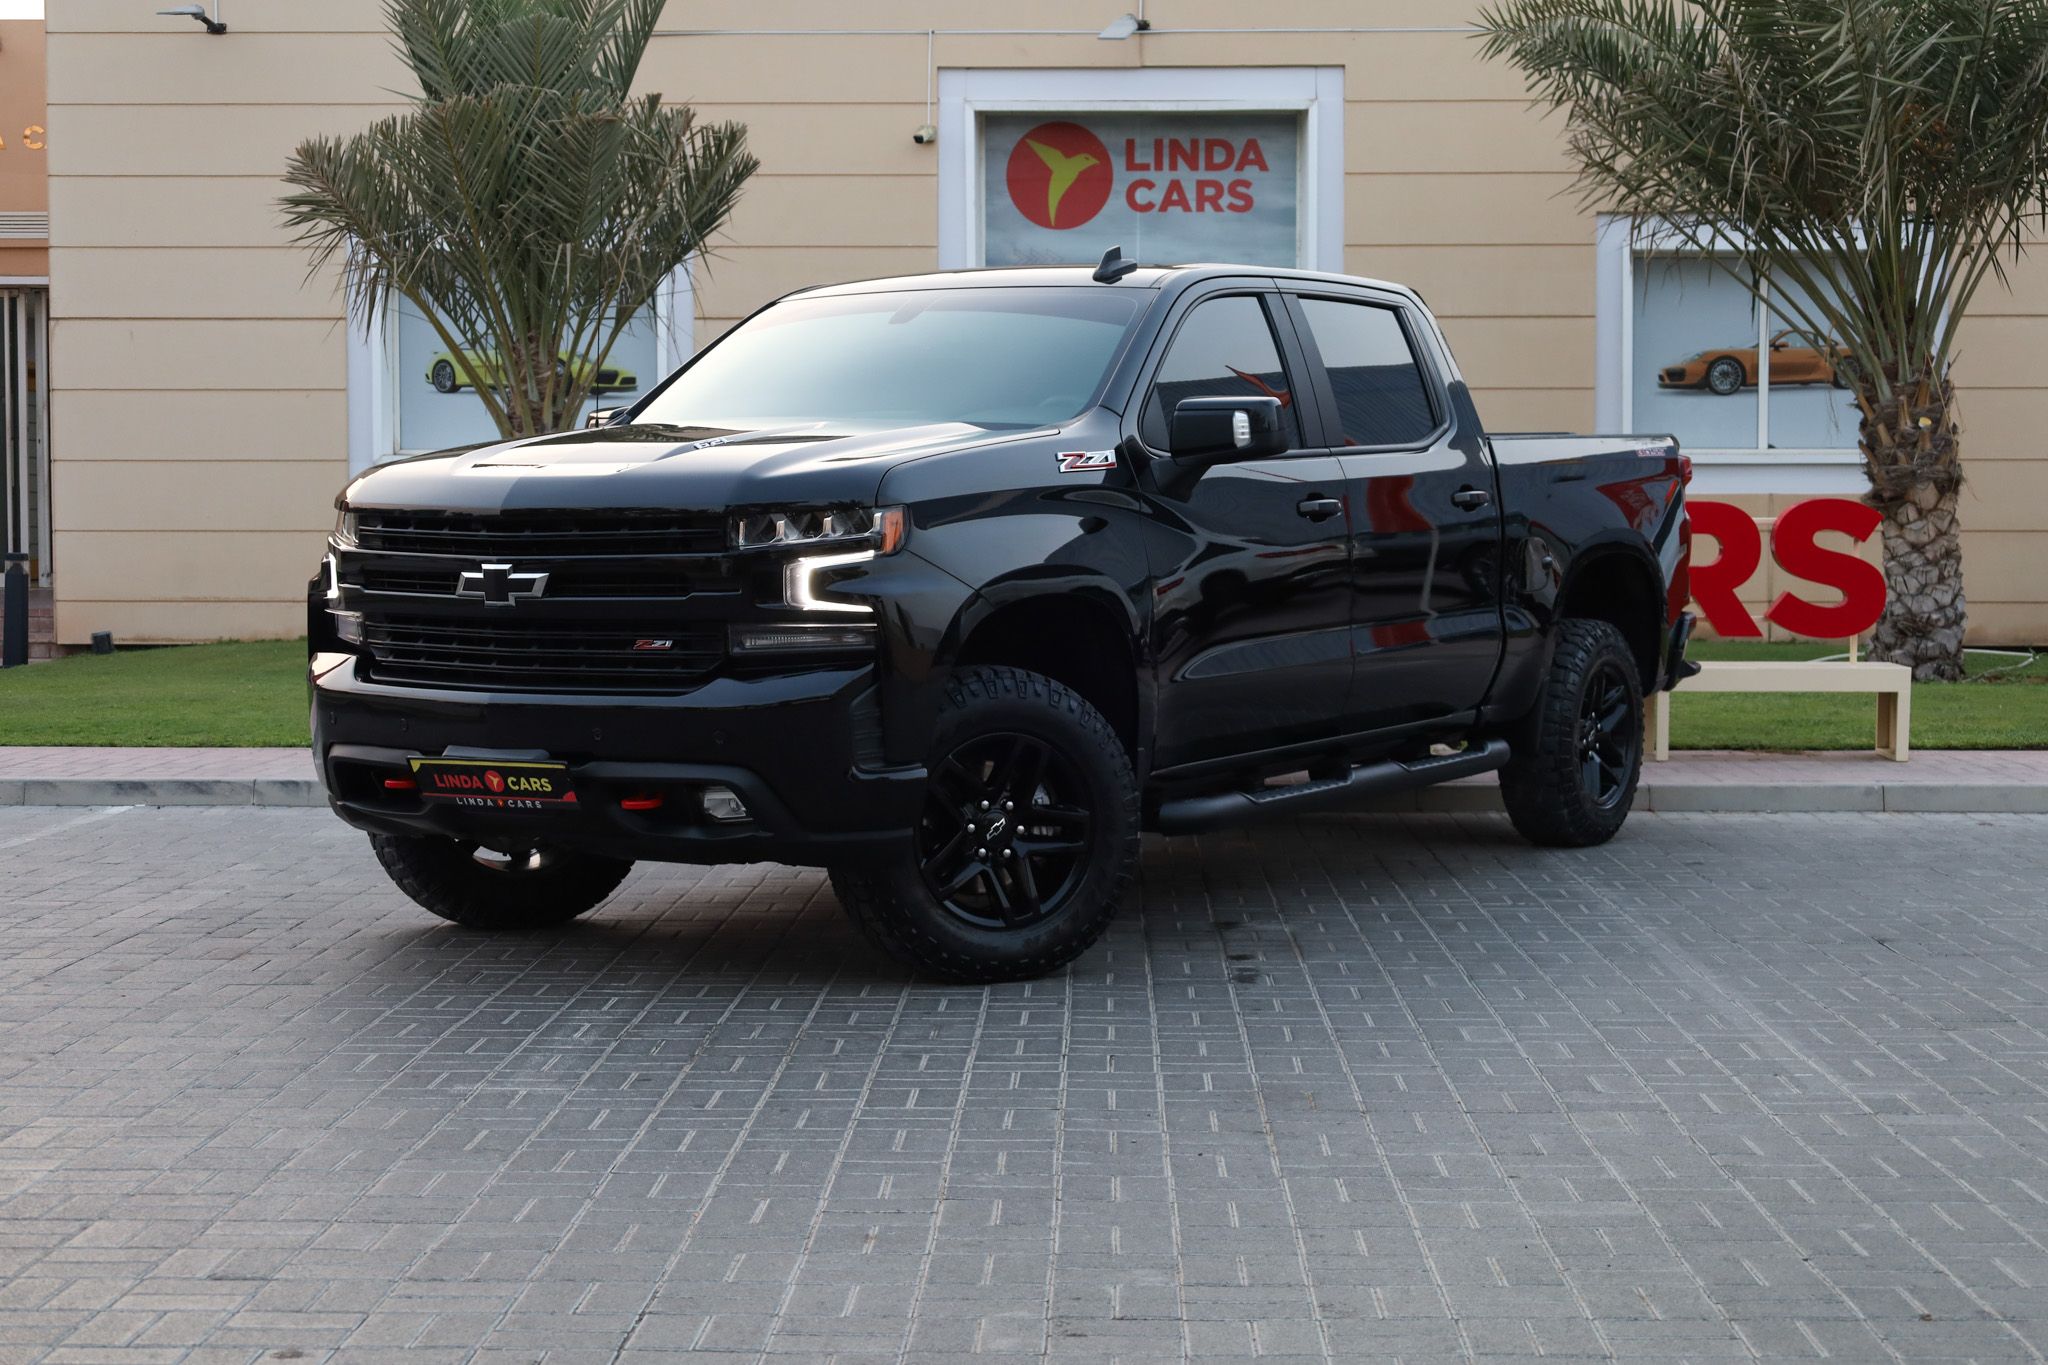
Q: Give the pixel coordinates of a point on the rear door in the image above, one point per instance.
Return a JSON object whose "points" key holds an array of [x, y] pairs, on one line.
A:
{"points": [[1424, 571], [1251, 625]]}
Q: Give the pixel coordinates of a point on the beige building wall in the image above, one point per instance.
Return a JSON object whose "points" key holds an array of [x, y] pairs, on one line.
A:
{"points": [[201, 380]]}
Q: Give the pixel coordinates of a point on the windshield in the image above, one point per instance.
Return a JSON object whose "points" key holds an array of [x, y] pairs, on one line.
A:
{"points": [[990, 357]]}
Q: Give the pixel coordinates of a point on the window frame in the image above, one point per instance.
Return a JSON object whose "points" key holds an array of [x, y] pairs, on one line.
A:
{"points": [[1620, 241], [1332, 433], [1307, 406]]}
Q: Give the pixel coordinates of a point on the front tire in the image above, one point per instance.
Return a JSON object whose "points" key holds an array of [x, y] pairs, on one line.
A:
{"points": [[1026, 844], [444, 377], [1579, 754], [1725, 376], [482, 889]]}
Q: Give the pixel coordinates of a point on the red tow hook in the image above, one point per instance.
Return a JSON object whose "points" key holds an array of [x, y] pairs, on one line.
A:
{"points": [[640, 803], [400, 784]]}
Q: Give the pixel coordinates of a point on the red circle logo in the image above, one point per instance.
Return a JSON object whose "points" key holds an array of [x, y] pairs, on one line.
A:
{"points": [[1059, 175], [493, 781]]}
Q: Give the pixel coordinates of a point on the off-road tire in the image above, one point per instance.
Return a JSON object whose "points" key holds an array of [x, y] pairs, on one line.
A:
{"points": [[1717, 376], [1542, 784], [896, 909], [446, 878]]}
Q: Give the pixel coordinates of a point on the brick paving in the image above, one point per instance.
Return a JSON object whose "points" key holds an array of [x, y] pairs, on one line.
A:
{"points": [[1735, 1087]]}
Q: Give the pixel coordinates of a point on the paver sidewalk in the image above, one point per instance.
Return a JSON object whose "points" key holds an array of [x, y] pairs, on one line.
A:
{"points": [[2007, 780]]}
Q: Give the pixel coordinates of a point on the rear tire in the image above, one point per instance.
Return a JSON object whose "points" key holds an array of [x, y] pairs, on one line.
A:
{"points": [[479, 889], [1027, 842], [1579, 753]]}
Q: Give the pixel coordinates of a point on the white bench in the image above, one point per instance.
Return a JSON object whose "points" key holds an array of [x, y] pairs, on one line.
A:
{"points": [[1893, 684]]}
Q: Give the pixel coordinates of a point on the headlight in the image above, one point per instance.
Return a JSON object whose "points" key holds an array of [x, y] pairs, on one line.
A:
{"points": [[884, 526], [851, 537], [344, 527]]}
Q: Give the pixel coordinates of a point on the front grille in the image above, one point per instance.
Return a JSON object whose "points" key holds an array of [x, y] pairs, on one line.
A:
{"points": [[539, 655], [591, 578], [512, 535]]}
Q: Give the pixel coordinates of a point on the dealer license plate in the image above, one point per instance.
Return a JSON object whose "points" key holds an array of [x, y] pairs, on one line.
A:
{"points": [[491, 785]]}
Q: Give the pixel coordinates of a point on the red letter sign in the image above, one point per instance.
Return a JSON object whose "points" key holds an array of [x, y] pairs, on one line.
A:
{"points": [[1860, 582], [1714, 585]]}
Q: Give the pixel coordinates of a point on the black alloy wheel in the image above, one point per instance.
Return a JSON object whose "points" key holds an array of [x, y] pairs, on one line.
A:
{"points": [[1005, 833], [1024, 843], [1610, 731]]}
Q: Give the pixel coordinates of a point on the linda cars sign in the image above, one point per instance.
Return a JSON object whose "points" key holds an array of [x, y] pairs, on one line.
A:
{"points": [[1167, 187]]}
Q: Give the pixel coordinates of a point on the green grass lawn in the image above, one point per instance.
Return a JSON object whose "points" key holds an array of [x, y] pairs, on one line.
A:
{"points": [[2001, 707], [251, 692], [255, 693]]}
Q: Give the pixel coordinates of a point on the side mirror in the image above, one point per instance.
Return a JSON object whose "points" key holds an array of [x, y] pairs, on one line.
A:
{"points": [[604, 417], [1220, 430]]}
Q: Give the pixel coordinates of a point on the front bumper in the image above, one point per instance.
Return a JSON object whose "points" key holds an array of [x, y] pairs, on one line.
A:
{"points": [[801, 750]]}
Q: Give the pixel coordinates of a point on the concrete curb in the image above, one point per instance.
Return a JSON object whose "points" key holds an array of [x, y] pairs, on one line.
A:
{"points": [[161, 791], [1474, 796]]}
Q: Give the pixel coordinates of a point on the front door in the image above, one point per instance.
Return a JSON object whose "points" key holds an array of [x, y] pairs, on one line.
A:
{"points": [[1251, 626], [1426, 628]]}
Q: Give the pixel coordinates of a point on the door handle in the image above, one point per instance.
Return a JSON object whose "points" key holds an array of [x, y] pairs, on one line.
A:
{"points": [[1471, 499], [1319, 509]]}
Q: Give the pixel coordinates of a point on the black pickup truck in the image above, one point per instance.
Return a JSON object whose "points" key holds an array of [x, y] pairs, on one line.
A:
{"points": [[954, 584]]}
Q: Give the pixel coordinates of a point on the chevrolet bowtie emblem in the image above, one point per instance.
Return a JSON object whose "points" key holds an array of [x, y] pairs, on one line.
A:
{"points": [[499, 585]]}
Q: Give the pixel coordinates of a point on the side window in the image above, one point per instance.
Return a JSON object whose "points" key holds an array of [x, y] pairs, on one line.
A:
{"points": [[1224, 349], [1382, 398]]}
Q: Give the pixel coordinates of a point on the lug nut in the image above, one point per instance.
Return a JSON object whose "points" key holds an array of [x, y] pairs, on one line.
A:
{"points": [[1009, 805], [981, 853], [984, 805], [1009, 853]]}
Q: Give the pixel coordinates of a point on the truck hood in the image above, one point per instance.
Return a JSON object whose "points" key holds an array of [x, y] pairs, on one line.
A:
{"points": [[667, 467]]}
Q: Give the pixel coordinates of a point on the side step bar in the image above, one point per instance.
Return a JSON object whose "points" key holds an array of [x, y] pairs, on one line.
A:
{"points": [[1220, 810]]}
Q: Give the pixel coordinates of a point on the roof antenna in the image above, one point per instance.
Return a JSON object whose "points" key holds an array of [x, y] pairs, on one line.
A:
{"points": [[1114, 267]]}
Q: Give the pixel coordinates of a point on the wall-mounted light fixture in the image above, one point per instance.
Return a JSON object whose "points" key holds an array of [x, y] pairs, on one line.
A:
{"points": [[198, 13], [1123, 26]]}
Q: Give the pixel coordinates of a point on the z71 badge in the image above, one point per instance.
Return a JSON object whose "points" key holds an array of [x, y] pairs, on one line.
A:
{"points": [[1083, 461]]}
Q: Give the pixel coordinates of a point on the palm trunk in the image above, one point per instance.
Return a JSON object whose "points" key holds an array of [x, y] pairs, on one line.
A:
{"points": [[1913, 456]]}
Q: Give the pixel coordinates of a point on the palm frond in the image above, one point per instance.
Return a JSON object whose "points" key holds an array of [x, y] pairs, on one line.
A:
{"points": [[528, 204]]}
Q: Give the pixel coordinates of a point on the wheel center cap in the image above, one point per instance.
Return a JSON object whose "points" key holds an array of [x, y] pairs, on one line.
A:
{"points": [[998, 826]]}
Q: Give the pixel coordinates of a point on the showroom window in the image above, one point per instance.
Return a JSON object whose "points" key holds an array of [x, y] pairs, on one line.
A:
{"points": [[409, 393], [1164, 186], [1054, 166], [1687, 349]]}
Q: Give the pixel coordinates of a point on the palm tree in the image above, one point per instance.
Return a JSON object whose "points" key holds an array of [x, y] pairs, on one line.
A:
{"points": [[1878, 160], [528, 204]]}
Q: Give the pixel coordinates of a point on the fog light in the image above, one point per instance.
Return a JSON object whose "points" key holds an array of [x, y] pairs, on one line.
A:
{"points": [[724, 804], [348, 626], [797, 639]]}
